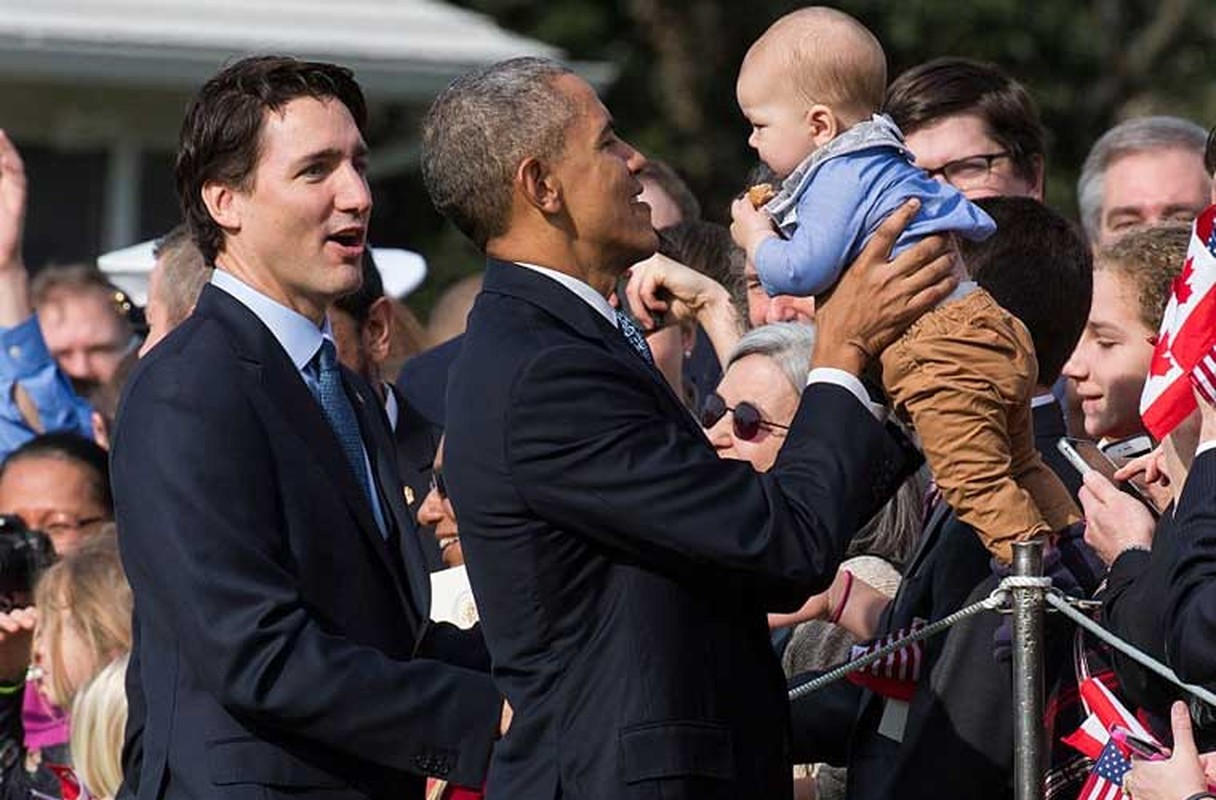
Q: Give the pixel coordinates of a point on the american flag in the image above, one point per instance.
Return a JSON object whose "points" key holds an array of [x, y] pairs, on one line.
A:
{"points": [[1105, 781], [897, 674], [1184, 354]]}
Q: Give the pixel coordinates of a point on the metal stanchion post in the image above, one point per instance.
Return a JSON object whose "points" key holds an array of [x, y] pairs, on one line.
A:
{"points": [[1028, 607]]}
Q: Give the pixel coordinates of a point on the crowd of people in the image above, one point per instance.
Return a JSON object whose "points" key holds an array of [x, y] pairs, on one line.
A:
{"points": [[686, 466]]}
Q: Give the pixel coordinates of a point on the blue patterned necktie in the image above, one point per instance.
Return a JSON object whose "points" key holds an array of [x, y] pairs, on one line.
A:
{"points": [[341, 416], [634, 336]]}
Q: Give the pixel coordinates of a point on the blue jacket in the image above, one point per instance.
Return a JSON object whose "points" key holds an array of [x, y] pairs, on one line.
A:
{"points": [[25, 361], [828, 208]]}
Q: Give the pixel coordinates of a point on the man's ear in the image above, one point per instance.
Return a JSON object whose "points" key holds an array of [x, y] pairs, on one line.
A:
{"points": [[822, 125], [539, 186], [378, 330], [1039, 177], [220, 200]]}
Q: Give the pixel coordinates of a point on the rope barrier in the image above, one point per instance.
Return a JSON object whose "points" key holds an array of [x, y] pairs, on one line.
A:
{"points": [[996, 601], [1062, 604], [990, 603]]}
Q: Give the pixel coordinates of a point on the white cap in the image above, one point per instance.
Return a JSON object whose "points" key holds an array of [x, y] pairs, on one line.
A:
{"points": [[400, 270]]}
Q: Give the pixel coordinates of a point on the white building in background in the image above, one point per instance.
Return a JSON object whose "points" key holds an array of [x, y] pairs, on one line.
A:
{"points": [[93, 92]]}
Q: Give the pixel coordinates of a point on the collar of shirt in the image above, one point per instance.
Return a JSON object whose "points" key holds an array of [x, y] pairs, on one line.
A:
{"points": [[295, 332], [1040, 400], [391, 409], [584, 291]]}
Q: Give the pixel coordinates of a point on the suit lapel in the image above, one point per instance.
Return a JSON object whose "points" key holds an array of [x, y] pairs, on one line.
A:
{"points": [[277, 377], [377, 439]]}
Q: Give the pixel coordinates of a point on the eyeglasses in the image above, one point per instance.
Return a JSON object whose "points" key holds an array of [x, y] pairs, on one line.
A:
{"points": [[969, 172], [437, 484], [746, 418]]}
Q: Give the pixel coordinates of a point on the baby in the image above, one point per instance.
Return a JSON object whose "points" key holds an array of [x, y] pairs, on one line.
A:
{"points": [[964, 374]]}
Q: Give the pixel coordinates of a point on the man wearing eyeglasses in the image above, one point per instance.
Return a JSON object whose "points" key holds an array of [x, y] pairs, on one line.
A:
{"points": [[622, 570], [970, 125]]}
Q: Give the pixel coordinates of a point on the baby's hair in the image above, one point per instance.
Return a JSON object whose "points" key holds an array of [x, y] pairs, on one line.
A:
{"points": [[831, 58]]}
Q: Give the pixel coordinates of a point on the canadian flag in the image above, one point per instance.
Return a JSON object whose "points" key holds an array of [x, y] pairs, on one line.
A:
{"points": [[1105, 712], [1184, 353]]}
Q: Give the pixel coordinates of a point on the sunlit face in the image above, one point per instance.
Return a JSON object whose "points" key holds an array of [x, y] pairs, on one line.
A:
{"points": [[600, 189], [956, 138], [757, 380], [85, 334], [1112, 358], [762, 309], [436, 510], [298, 231], [781, 134], [1149, 187], [54, 496]]}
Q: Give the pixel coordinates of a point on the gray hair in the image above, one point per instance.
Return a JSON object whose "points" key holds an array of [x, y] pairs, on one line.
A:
{"points": [[1133, 136], [895, 530], [479, 130], [788, 344]]}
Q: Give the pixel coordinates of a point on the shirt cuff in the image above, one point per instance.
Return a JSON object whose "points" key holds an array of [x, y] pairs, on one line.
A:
{"points": [[851, 383], [23, 351]]}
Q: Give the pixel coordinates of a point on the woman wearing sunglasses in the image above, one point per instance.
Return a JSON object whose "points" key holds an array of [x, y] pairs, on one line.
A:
{"points": [[747, 419]]}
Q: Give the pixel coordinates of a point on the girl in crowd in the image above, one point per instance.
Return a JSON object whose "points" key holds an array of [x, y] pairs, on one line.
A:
{"points": [[80, 621]]}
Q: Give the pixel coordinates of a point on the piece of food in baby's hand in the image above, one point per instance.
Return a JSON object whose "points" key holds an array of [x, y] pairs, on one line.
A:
{"points": [[760, 194]]}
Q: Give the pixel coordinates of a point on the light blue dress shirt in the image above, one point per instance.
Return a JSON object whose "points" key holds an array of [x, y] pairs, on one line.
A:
{"points": [[301, 339]]}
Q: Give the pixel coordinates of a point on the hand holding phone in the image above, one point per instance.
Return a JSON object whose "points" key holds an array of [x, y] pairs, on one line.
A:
{"points": [[1085, 456]]}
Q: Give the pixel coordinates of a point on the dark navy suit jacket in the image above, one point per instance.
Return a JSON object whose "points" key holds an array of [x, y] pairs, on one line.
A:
{"points": [[621, 568], [282, 644]]}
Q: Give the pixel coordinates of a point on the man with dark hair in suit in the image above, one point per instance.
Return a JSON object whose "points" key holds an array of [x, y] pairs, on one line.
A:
{"points": [[282, 647], [621, 569]]}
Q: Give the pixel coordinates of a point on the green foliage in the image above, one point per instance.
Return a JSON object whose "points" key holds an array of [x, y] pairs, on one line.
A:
{"points": [[1087, 63]]}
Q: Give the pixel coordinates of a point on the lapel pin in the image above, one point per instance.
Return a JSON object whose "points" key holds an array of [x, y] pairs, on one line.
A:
{"points": [[409, 495]]}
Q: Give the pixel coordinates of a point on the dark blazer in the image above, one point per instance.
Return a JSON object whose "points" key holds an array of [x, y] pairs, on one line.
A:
{"points": [[279, 637], [423, 381], [621, 568], [1191, 611], [1134, 606], [415, 440]]}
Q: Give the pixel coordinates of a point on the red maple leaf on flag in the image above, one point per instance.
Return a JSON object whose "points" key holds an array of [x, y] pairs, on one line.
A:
{"points": [[1161, 363], [1182, 284]]}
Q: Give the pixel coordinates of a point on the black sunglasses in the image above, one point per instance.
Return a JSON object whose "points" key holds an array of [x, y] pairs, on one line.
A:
{"points": [[746, 417], [437, 483]]}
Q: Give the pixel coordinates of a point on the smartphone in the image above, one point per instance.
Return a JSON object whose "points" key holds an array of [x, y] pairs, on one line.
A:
{"points": [[1138, 746], [1086, 456], [1121, 451]]}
